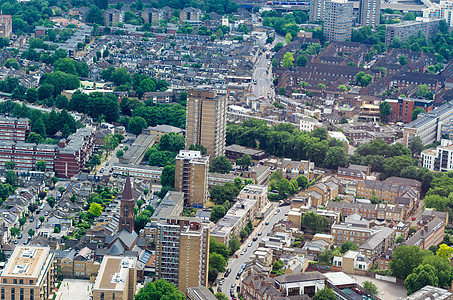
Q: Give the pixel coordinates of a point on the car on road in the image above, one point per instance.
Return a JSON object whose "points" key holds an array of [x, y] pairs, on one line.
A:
{"points": [[19, 236], [107, 163], [250, 244], [255, 238], [233, 285], [102, 170], [219, 289], [25, 242], [278, 210], [227, 273], [231, 292], [260, 233], [46, 213], [37, 226], [276, 213], [32, 220], [238, 275], [16, 241], [243, 251], [413, 218], [221, 281], [267, 223]]}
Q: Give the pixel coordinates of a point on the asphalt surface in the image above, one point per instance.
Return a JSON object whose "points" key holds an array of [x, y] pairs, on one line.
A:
{"points": [[235, 263], [32, 225], [262, 75]]}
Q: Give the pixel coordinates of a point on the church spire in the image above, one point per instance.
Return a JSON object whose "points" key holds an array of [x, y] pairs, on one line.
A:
{"points": [[127, 208]]}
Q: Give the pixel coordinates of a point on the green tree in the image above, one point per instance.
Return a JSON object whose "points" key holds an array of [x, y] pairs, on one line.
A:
{"points": [[416, 112], [136, 125], [119, 153], [416, 145], [14, 231], [218, 262], [234, 244], [348, 245], [41, 165], [217, 213], [445, 251], [95, 209], [278, 46], [315, 222], [168, 176], [402, 60], [288, 60], [31, 232], [363, 79], [421, 276], [120, 76], [221, 296], [51, 201], [370, 287], [22, 221], [220, 164], [325, 294], [326, 256], [198, 147], [385, 110], [405, 259], [336, 157], [41, 219], [301, 60], [10, 165], [399, 239], [302, 182], [159, 289], [443, 268], [32, 95], [11, 177], [288, 38], [12, 63], [245, 161]]}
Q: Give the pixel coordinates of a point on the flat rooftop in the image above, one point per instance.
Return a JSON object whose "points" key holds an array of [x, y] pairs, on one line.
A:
{"points": [[114, 273], [27, 261]]}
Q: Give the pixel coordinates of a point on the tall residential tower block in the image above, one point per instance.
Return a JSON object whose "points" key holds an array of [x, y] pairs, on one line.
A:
{"points": [[206, 120]]}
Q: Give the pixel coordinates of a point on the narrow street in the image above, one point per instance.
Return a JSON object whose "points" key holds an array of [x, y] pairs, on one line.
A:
{"points": [[235, 263]]}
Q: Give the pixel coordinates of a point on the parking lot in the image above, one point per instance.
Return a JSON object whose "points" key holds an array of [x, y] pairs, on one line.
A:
{"points": [[387, 290]]}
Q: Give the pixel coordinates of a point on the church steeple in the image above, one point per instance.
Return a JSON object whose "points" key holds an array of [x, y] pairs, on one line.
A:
{"points": [[127, 207]]}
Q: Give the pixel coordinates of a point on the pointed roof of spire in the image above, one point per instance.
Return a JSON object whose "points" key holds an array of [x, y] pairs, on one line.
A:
{"points": [[127, 192]]}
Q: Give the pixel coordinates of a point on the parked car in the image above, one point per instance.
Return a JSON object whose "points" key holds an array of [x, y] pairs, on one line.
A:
{"points": [[250, 244], [227, 273], [255, 238]]}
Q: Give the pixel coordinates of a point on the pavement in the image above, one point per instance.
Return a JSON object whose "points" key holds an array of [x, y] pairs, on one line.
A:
{"points": [[387, 290], [235, 263], [74, 289]]}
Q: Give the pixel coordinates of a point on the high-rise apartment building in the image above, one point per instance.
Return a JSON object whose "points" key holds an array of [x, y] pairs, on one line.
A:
{"points": [[338, 20], [206, 120], [30, 273], [116, 279], [14, 129], [6, 25], [317, 10], [182, 252], [191, 177], [369, 12]]}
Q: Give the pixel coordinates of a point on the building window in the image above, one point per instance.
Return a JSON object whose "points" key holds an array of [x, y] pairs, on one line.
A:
{"points": [[102, 295], [21, 281]]}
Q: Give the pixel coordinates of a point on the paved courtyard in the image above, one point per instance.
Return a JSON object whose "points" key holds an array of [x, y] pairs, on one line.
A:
{"points": [[387, 290], [74, 289]]}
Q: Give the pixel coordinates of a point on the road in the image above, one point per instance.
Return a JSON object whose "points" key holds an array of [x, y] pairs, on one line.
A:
{"points": [[32, 225], [262, 75], [235, 263]]}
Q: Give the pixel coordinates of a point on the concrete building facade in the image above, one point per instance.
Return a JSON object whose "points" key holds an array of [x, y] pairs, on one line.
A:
{"points": [[206, 121], [338, 20], [182, 252], [191, 177], [30, 273], [369, 12]]}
